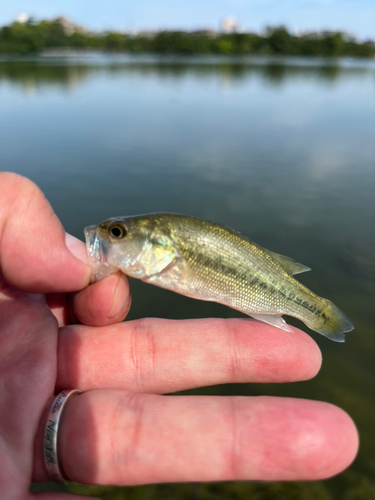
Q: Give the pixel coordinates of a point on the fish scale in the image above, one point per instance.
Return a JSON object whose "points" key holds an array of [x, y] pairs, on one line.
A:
{"points": [[208, 261], [238, 280]]}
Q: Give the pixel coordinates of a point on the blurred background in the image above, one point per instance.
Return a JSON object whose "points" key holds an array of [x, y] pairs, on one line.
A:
{"points": [[257, 115]]}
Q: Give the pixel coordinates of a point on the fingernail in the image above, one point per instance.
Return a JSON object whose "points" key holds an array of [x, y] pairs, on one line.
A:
{"points": [[76, 247]]}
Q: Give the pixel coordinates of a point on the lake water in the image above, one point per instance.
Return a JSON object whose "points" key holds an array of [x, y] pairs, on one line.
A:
{"points": [[282, 150]]}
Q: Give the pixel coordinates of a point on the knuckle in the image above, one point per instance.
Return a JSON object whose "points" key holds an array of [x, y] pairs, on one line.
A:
{"points": [[236, 352], [236, 452], [129, 412], [20, 195], [13, 185], [142, 353]]}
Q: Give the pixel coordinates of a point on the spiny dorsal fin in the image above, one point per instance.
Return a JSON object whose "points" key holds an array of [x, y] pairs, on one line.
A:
{"points": [[290, 265]]}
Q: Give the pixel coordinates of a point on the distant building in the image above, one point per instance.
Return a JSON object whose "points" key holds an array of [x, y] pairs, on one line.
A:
{"points": [[22, 17], [69, 27], [230, 25]]}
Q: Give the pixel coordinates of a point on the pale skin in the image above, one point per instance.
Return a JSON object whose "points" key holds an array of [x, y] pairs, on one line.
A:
{"points": [[122, 430]]}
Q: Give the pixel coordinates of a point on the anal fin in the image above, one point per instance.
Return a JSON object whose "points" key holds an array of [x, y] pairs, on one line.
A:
{"points": [[276, 321]]}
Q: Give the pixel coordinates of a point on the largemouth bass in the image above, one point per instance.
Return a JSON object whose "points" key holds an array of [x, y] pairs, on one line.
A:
{"points": [[211, 262]]}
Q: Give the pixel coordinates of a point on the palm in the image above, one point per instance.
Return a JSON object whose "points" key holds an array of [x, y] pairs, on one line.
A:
{"points": [[121, 430], [28, 348]]}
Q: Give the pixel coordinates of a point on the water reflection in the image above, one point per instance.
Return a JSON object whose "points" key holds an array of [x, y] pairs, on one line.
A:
{"points": [[69, 72], [33, 75]]}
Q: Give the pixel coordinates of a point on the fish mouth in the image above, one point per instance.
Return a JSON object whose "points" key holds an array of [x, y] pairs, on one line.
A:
{"points": [[97, 251]]}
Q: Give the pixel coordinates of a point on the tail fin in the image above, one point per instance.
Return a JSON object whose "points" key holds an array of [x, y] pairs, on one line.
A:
{"points": [[332, 323]]}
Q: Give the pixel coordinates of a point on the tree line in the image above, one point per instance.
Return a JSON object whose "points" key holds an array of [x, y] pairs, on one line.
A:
{"points": [[35, 37]]}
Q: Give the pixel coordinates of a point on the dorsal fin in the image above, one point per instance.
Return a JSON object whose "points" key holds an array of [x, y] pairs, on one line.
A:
{"points": [[290, 265]]}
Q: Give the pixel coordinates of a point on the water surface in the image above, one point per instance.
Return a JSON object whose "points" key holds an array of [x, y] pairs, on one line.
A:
{"points": [[281, 150]]}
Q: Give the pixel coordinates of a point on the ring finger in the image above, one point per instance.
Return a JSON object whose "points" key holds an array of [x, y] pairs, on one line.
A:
{"points": [[121, 437]]}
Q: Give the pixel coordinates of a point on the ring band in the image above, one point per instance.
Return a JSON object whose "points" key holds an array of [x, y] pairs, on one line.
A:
{"points": [[51, 457]]}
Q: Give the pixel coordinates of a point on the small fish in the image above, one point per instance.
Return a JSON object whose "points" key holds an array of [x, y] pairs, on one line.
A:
{"points": [[211, 262]]}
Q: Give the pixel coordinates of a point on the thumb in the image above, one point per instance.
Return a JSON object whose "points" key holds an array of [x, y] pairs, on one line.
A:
{"points": [[36, 255]]}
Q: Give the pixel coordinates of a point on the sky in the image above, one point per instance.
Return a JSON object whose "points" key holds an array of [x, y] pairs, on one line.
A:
{"points": [[356, 17]]}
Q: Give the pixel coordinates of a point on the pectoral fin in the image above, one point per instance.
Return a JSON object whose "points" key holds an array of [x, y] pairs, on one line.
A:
{"points": [[273, 321], [156, 257], [290, 265]]}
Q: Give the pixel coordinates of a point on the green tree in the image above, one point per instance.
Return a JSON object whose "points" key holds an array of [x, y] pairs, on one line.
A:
{"points": [[179, 42], [333, 45], [34, 36], [225, 45], [114, 41], [280, 41]]}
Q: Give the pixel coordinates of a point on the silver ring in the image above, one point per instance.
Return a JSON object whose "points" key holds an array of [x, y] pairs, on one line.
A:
{"points": [[51, 457]]}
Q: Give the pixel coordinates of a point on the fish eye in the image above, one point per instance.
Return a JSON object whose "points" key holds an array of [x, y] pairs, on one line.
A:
{"points": [[117, 231]]}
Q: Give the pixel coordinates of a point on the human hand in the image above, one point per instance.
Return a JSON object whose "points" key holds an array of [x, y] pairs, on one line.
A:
{"points": [[122, 430]]}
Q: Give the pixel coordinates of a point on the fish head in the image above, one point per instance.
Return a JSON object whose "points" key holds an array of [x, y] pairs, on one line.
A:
{"points": [[138, 246]]}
